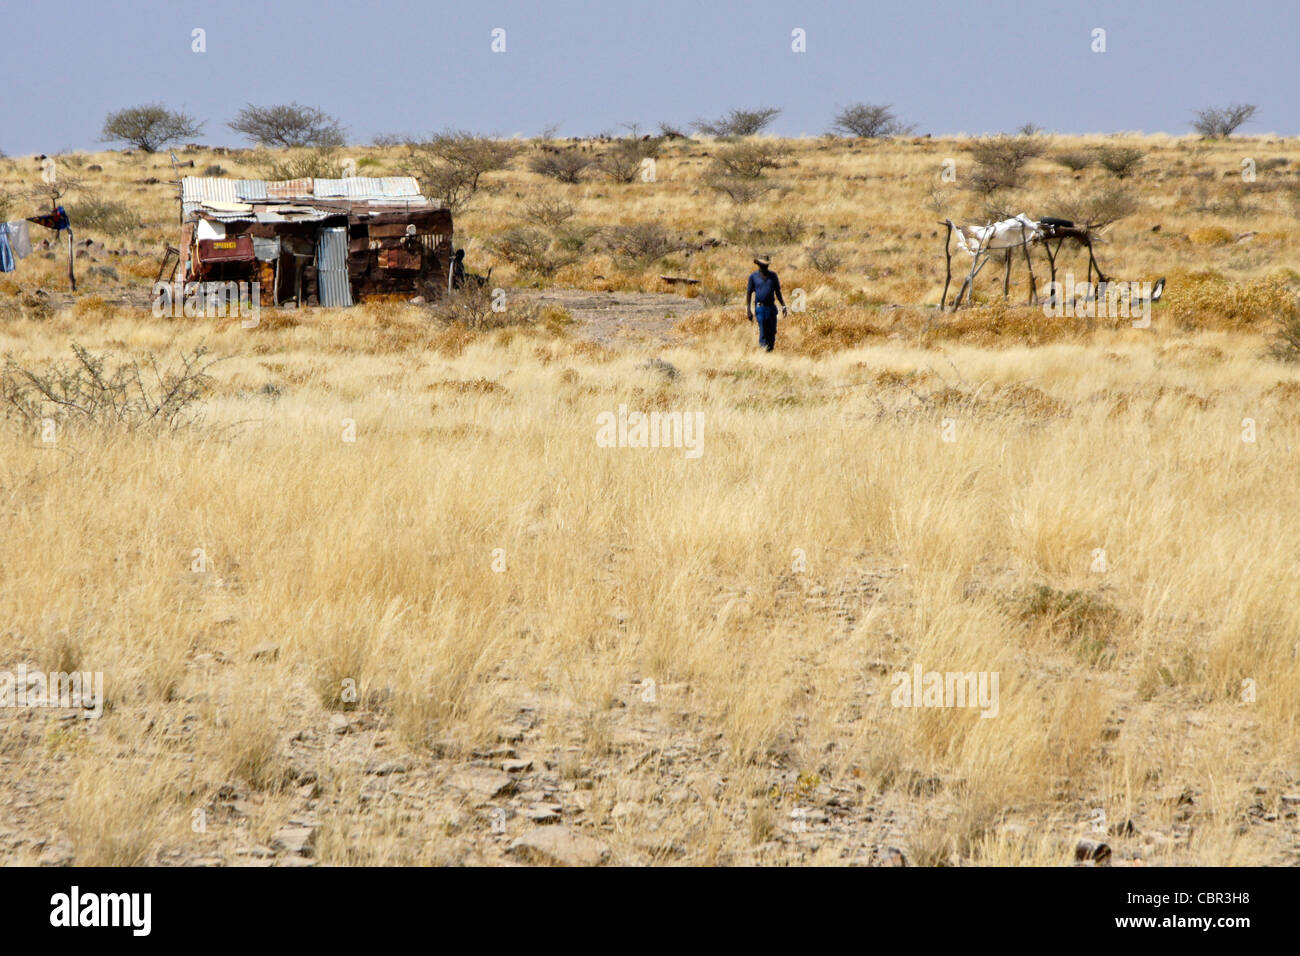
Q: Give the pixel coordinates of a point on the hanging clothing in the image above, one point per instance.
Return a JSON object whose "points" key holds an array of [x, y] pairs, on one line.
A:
{"points": [[6, 256], [20, 240], [56, 220]]}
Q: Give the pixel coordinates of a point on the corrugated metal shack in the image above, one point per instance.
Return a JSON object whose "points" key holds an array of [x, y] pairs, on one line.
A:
{"points": [[323, 242]]}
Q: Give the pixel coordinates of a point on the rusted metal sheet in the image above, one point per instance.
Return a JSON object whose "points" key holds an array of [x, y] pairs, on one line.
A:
{"points": [[334, 290], [399, 259], [390, 230], [289, 189]]}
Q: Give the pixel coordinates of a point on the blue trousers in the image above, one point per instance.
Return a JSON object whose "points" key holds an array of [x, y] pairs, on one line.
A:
{"points": [[765, 316]]}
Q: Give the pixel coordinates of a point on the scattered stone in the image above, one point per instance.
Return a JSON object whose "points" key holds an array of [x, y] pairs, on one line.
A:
{"points": [[893, 856], [339, 724], [388, 767], [483, 780], [56, 854], [559, 846], [1098, 853], [295, 838], [517, 766], [542, 813], [809, 816]]}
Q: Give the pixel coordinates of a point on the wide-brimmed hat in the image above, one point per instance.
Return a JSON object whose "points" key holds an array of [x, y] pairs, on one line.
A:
{"points": [[762, 260]]}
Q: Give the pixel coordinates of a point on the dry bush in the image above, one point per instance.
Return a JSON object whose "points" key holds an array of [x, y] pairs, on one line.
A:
{"points": [[1075, 159], [740, 190], [451, 164], [1222, 122], [550, 212], [1285, 343], [641, 242], [321, 161], [738, 122], [525, 248], [777, 230], [566, 166], [1120, 161], [110, 217], [472, 307], [749, 159], [1000, 161], [622, 162], [869, 121], [1207, 300], [823, 257], [131, 394], [1097, 207], [821, 332]]}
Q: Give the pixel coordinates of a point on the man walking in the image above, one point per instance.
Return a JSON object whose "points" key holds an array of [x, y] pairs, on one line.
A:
{"points": [[764, 288]]}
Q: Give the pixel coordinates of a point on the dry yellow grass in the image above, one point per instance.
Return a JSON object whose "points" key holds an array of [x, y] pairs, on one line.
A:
{"points": [[696, 654]]}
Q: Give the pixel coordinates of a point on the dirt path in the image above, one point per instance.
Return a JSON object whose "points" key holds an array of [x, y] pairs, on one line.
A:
{"points": [[617, 318]]}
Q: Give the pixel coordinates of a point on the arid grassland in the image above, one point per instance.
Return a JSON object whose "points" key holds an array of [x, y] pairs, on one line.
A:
{"points": [[367, 590]]}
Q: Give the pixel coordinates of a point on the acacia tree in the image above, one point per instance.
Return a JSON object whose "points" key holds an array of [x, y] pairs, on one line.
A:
{"points": [[149, 127], [468, 153], [288, 125], [1220, 122], [869, 121], [449, 164], [738, 123]]}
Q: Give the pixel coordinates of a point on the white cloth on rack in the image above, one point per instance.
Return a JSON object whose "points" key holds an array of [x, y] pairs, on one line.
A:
{"points": [[999, 235]]}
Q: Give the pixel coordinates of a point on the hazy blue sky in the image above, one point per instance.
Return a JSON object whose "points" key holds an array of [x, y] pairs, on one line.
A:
{"points": [[587, 66]]}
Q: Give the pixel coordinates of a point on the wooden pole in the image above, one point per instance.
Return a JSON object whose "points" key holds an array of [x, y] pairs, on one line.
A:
{"points": [[1033, 283], [947, 275], [72, 272]]}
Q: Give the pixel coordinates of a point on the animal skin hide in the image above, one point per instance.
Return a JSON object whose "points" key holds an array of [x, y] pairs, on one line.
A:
{"points": [[1000, 235]]}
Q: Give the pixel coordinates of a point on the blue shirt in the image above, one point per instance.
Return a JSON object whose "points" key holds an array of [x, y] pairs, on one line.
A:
{"points": [[765, 287]]}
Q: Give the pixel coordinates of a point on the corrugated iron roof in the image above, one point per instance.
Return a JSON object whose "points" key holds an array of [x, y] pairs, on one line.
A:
{"points": [[369, 188], [289, 189], [387, 191], [191, 210], [202, 188]]}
